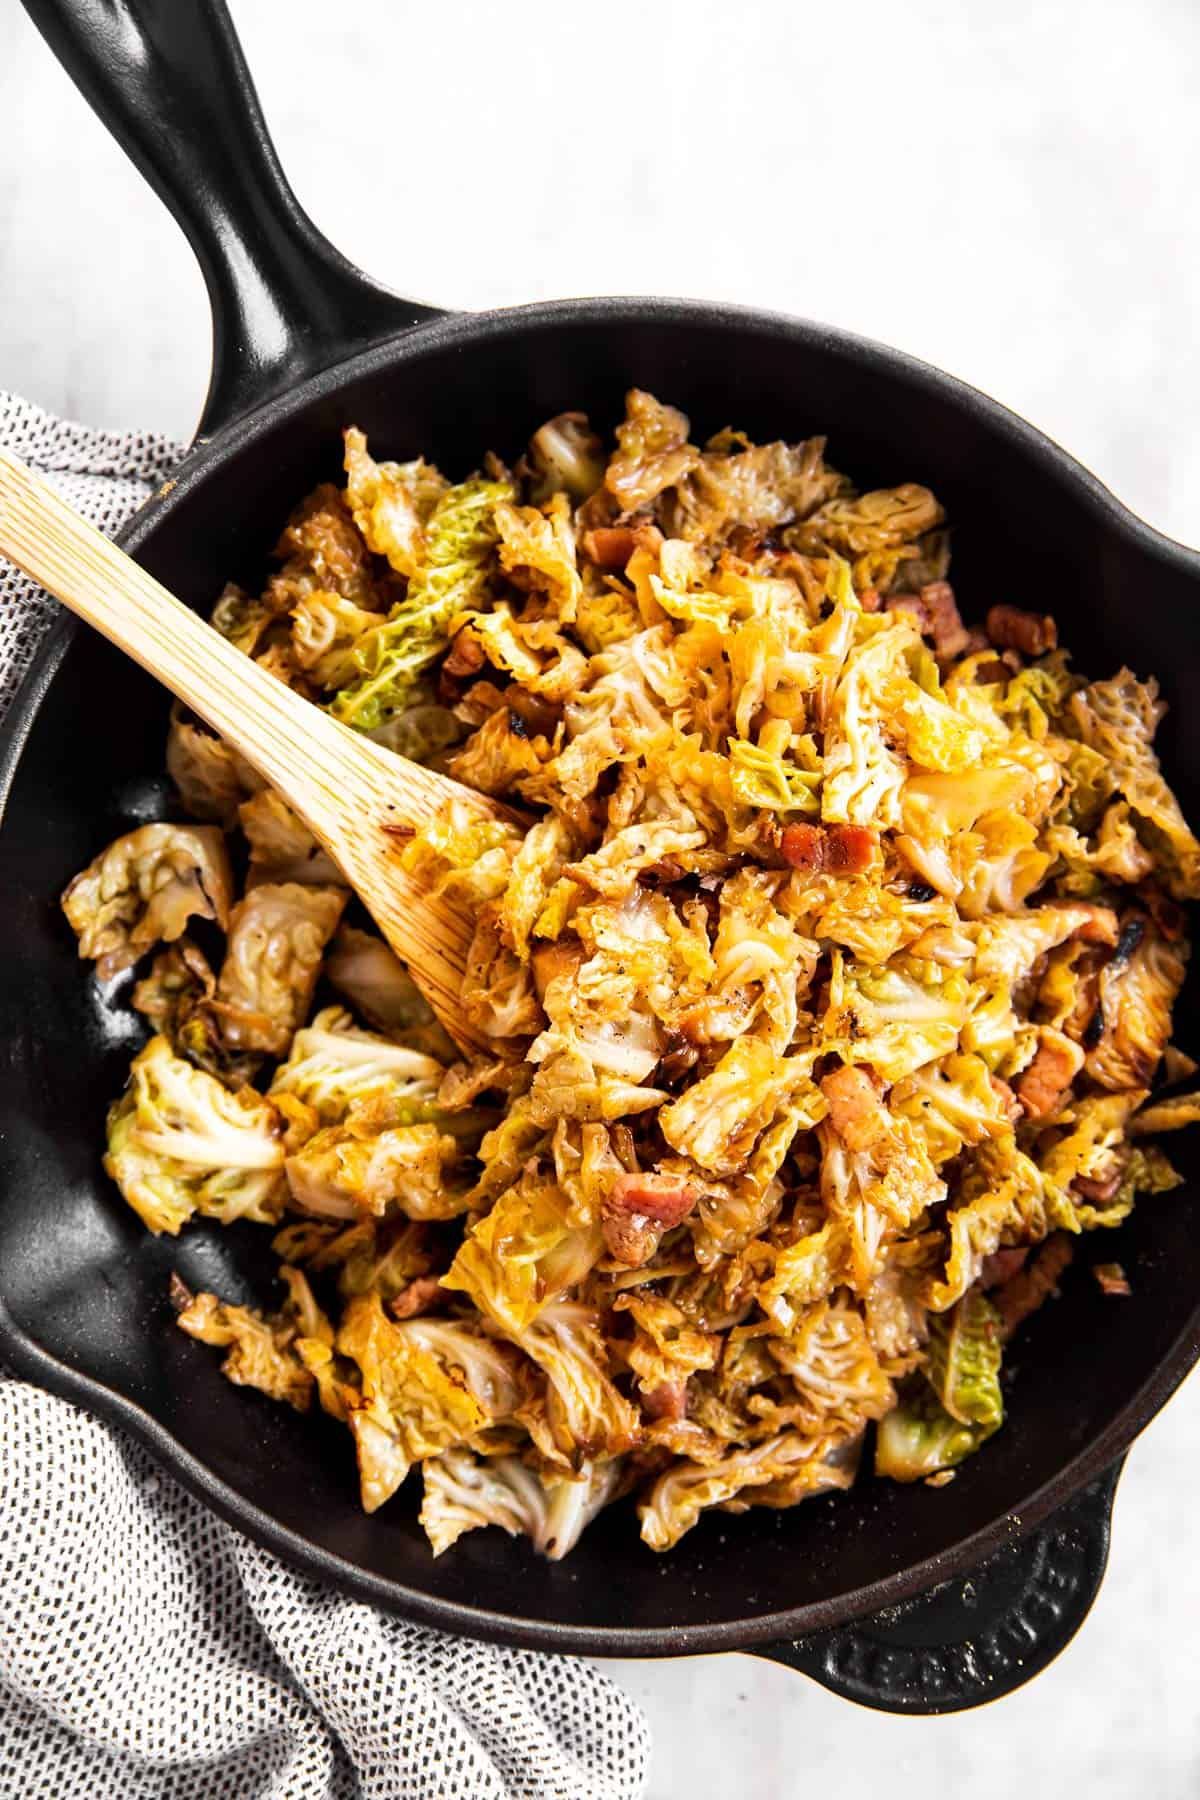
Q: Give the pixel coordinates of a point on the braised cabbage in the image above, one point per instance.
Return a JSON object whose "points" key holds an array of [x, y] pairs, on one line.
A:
{"points": [[825, 964]]}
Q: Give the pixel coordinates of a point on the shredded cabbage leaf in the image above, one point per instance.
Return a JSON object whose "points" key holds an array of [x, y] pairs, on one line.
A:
{"points": [[956, 1405], [451, 577], [180, 1143]]}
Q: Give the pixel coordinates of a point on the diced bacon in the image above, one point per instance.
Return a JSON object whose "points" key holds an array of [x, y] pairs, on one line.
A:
{"points": [[466, 655], [1025, 1291], [849, 849], [914, 606], [949, 634], [934, 612], [629, 1238], [803, 846], [854, 1107], [1099, 1191], [416, 1298], [637, 1211], [667, 1401], [610, 545], [1057, 1063], [1113, 1280], [665, 1199], [1012, 628], [870, 600], [1001, 1266], [829, 849]]}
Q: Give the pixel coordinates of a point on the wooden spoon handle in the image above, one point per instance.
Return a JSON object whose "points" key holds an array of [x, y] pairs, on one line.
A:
{"points": [[312, 760], [353, 794]]}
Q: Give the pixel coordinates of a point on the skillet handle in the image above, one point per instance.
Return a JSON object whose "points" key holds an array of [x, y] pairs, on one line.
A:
{"points": [[980, 1636], [169, 80]]}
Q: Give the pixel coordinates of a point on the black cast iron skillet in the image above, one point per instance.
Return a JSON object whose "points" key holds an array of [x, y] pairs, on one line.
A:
{"points": [[983, 1581]]}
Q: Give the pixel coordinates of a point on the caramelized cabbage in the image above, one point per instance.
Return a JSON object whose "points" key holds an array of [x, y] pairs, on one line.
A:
{"points": [[451, 577], [277, 935], [180, 1143], [264, 1353], [143, 890], [464, 1492], [824, 956], [425, 1385], [802, 1465], [332, 1066]]}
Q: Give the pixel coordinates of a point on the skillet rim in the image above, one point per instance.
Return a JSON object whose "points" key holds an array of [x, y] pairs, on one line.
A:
{"points": [[204, 458]]}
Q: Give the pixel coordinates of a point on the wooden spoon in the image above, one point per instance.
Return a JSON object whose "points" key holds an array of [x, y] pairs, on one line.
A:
{"points": [[352, 794]]}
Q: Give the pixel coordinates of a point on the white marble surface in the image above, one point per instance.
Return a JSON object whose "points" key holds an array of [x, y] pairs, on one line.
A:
{"points": [[1009, 191]]}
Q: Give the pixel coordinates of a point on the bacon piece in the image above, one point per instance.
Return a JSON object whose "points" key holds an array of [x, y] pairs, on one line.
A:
{"points": [[1024, 1292], [1057, 1063], [914, 606], [466, 655], [849, 849], [935, 613], [665, 1199], [629, 1238], [949, 634], [667, 1401], [420, 1294], [1012, 628], [1099, 1191], [1113, 1280], [637, 1211], [829, 849], [610, 545], [1001, 1266], [854, 1107], [870, 600]]}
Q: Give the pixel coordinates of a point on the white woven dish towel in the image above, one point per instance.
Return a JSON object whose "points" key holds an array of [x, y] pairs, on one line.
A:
{"points": [[148, 1650]]}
